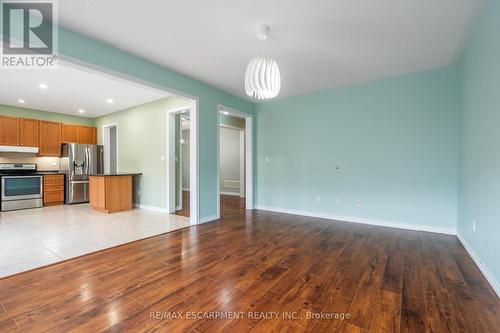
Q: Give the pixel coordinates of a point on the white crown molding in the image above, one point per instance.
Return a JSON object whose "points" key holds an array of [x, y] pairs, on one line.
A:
{"points": [[362, 220], [479, 263]]}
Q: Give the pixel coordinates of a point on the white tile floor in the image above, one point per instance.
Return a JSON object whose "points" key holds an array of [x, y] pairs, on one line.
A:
{"points": [[38, 237]]}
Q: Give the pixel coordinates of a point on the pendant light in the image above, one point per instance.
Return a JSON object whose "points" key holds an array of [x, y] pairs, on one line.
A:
{"points": [[262, 77]]}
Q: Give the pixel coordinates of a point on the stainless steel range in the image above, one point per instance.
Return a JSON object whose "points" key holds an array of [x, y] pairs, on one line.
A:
{"points": [[21, 187]]}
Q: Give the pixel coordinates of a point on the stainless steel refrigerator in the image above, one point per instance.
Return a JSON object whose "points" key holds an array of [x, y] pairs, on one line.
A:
{"points": [[78, 161]]}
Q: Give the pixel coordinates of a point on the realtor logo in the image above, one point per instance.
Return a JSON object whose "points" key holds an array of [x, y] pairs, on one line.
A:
{"points": [[29, 34]]}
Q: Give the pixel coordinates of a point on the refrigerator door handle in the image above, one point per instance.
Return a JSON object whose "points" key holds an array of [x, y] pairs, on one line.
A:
{"points": [[87, 159]]}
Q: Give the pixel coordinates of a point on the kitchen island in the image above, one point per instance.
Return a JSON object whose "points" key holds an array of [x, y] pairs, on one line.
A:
{"points": [[111, 192]]}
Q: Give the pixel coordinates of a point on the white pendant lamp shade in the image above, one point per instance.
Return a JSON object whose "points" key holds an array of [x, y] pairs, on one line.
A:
{"points": [[262, 78]]}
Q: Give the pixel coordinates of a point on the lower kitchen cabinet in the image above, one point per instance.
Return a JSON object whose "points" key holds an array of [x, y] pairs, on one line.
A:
{"points": [[53, 190], [110, 194]]}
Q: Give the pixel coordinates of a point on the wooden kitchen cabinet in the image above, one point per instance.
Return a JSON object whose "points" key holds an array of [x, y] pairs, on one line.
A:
{"points": [[50, 138], [70, 133], [53, 190], [88, 135], [28, 132], [47, 135], [9, 131]]}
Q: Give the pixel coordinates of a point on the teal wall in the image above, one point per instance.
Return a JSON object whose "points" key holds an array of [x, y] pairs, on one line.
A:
{"points": [[82, 48], [394, 142], [8, 110], [479, 167], [141, 143]]}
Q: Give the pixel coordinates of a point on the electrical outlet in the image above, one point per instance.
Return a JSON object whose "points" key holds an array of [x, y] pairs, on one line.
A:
{"points": [[267, 159], [474, 226], [359, 203], [139, 192], [162, 158], [338, 200], [318, 198]]}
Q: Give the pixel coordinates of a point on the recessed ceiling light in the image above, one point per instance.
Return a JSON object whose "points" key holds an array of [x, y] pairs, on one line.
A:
{"points": [[81, 110], [22, 101], [110, 101], [43, 86], [225, 112]]}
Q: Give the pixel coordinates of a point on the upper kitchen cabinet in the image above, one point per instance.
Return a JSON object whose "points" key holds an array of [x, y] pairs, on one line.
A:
{"points": [[50, 138], [28, 132], [88, 135], [70, 133], [9, 131]]}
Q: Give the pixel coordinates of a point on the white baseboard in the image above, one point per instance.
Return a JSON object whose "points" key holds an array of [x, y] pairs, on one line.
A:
{"points": [[152, 208], [178, 208], [362, 220], [186, 189], [479, 263], [208, 219], [236, 194]]}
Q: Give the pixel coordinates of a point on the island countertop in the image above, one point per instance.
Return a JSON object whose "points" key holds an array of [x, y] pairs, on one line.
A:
{"points": [[110, 174], [111, 192]]}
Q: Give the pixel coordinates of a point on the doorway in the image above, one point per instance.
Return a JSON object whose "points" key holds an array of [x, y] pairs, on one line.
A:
{"points": [[182, 133], [182, 163], [235, 169], [110, 143]]}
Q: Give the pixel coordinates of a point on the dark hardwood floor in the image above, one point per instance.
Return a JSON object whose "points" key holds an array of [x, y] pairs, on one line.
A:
{"points": [[266, 265], [185, 205], [227, 203]]}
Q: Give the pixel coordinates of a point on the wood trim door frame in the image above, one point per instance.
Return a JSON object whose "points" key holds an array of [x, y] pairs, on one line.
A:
{"points": [[249, 172]]}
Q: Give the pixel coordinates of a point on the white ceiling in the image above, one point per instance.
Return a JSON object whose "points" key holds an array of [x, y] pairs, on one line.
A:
{"points": [[319, 44], [70, 88]]}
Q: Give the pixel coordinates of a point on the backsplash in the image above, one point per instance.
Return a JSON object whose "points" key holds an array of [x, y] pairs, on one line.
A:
{"points": [[43, 163]]}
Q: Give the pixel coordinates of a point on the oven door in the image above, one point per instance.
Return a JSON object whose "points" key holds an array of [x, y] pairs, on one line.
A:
{"points": [[21, 187]]}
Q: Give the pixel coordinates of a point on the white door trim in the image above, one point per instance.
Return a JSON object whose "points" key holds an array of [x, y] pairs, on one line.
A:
{"points": [[242, 163], [105, 134], [193, 160], [249, 185], [179, 190]]}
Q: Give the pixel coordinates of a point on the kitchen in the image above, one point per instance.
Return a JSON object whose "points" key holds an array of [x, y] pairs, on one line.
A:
{"points": [[24, 185], [59, 197]]}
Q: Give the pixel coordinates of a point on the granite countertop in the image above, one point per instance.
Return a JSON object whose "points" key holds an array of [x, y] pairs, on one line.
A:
{"points": [[116, 174]]}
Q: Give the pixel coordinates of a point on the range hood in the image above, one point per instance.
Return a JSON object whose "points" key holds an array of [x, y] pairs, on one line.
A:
{"points": [[18, 149]]}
